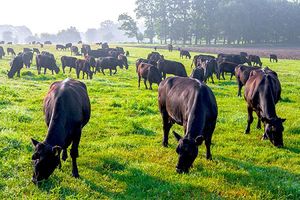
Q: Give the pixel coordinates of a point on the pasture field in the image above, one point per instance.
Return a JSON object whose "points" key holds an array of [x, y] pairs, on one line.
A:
{"points": [[121, 154]]}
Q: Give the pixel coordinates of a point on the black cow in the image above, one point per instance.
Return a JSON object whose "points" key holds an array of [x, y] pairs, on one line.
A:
{"points": [[154, 56], [273, 57], [68, 45], [67, 110], [110, 63], [242, 73], [185, 53], [9, 42], [210, 67], [124, 60], [171, 67], [104, 45], [198, 73], [79, 42], [85, 49], [170, 47], [255, 60], [48, 42], [191, 104], [27, 50], [2, 42], [245, 54], [2, 53], [198, 59], [36, 50], [262, 92], [47, 62], [27, 58], [140, 60], [226, 67], [99, 53], [60, 47], [92, 62], [48, 54], [67, 61], [238, 59], [150, 73], [74, 50], [10, 51], [84, 66], [16, 64]]}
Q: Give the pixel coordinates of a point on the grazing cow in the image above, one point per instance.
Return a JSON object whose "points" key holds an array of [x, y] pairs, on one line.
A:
{"points": [[262, 92], [2, 53], [226, 67], [48, 42], [10, 51], [36, 50], [47, 62], [124, 60], [16, 64], [242, 73], [92, 62], [154, 56], [67, 61], [110, 63], [245, 54], [198, 73], [74, 50], [273, 58], [67, 110], [84, 66], [185, 53], [210, 67], [191, 104], [140, 60], [48, 54], [171, 67], [27, 58], [60, 47], [68, 45], [238, 59], [170, 47], [150, 73], [27, 50], [199, 58], [104, 45], [255, 60]]}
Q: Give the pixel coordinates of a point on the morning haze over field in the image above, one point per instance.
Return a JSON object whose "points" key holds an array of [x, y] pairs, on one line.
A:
{"points": [[150, 99]]}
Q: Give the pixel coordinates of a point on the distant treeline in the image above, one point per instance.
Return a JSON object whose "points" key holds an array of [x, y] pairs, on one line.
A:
{"points": [[221, 21]]}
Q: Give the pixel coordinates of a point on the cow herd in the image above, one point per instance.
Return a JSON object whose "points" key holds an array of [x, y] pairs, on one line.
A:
{"points": [[187, 101]]}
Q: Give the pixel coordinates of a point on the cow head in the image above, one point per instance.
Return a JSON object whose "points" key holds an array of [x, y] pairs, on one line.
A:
{"points": [[187, 150], [273, 130], [45, 159]]}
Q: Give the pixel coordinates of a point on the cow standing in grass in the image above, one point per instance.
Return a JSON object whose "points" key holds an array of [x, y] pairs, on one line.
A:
{"points": [[273, 57], [191, 104], [11, 51], [46, 62], [67, 110], [242, 73], [16, 64], [171, 67], [67, 61], [149, 73]]}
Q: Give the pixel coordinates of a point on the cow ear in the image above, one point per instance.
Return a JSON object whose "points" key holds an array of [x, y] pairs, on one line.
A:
{"points": [[199, 140], [283, 120], [56, 150], [177, 136], [34, 142]]}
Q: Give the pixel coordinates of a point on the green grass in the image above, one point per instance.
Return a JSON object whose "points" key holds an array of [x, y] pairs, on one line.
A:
{"points": [[121, 156]]}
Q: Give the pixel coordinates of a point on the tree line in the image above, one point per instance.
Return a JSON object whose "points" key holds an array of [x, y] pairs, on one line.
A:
{"points": [[216, 21]]}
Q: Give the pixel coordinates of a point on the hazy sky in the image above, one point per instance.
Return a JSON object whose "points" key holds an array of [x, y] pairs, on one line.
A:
{"points": [[53, 15]]}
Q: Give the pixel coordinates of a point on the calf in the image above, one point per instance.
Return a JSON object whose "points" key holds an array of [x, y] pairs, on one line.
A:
{"points": [[150, 73], [191, 104], [242, 73], [67, 61], [185, 53], [84, 66], [226, 67], [10, 51], [108, 63], [47, 62], [262, 92], [255, 60], [67, 110], [273, 58], [16, 64], [171, 67]]}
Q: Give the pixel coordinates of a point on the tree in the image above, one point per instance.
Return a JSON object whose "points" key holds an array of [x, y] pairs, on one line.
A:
{"points": [[92, 35], [69, 35], [7, 36], [129, 26]]}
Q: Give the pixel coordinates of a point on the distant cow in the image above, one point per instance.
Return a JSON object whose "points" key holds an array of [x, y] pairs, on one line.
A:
{"points": [[273, 58], [242, 73], [99, 53], [60, 47], [226, 67], [198, 73], [16, 64], [170, 47], [10, 51], [47, 62], [2, 53], [150, 73], [154, 56], [191, 104], [27, 58], [67, 110], [27, 49], [2, 42], [48, 42], [79, 42], [36, 50], [104, 45], [84, 66], [234, 58], [245, 54], [110, 63], [255, 60], [67, 61], [185, 53], [262, 92], [74, 50], [68, 45], [171, 67]]}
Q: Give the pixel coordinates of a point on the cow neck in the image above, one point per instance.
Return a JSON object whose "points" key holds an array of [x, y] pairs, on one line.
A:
{"points": [[56, 132], [267, 100]]}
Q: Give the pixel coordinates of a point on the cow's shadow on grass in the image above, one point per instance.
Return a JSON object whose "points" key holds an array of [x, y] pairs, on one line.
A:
{"points": [[138, 184], [271, 180]]}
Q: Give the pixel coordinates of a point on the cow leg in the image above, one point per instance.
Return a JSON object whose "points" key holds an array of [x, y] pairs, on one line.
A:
{"points": [[83, 75], [74, 152], [150, 85], [207, 144], [166, 127], [250, 119], [212, 79], [19, 73], [164, 75], [110, 71], [231, 76], [223, 75], [115, 71], [240, 85], [102, 71], [139, 82], [145, 80], [258, 126], [77, 73], [52, 72], [63, 68], [64, 155], [45, 69]]}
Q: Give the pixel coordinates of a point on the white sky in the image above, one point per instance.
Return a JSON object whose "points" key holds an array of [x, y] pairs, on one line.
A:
{"points": [[54, 15]]}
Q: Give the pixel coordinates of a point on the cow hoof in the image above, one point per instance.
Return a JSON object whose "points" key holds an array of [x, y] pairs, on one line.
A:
{"points": [[165, 144], [209, 157], [247, 131], [75, 175]]}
